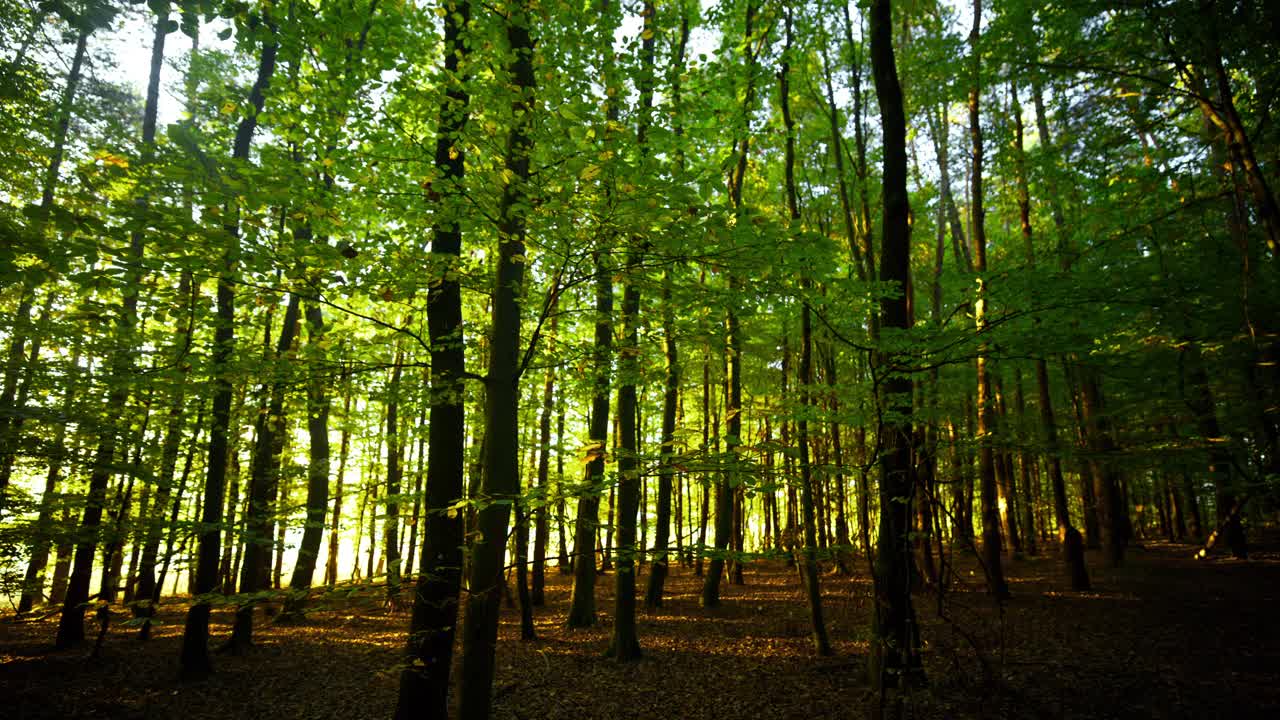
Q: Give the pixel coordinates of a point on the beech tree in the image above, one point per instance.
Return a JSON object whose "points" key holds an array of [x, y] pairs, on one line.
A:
{"points": [[932, 286]]}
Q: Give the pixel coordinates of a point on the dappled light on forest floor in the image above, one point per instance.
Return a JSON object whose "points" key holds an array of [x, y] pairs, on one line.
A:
{"points": [[1162, 636]]}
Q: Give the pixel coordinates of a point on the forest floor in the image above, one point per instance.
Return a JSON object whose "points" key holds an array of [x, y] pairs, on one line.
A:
{"points": [[1164, 636]]}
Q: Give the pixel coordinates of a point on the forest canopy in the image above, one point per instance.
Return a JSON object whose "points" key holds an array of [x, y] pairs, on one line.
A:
{"points": [[445, 297]]}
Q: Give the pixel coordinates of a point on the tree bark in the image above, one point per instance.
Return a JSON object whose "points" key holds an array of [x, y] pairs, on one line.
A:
{"points": [[991, 539], [894, 659], [809, 570], [501, 483], [391, 532], [542, 526], [727, 483], [317, 471], [33, 581], [195, 640], [71, 622], [264, 484]]}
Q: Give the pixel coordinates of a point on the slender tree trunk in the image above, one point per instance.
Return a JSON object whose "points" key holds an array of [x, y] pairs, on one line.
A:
{"points": [[1200, 399], [415, 520], [705, 482], [1007, 502], [565, 561], [991, 539], [33, 581], [335, 522], [894, 659], [174, 513], [725, 487], [1112, 510], [71, 623], [542, 526], [501, 482], [624, 645], [147, 587], [264, 485], [670, 400], [809, 571], [391, 532], [582, 603], [195, 641], [860, 167], [317, 471]]}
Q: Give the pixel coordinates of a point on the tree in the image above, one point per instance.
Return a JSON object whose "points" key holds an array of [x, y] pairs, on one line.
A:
{"points": [[501, 482], [195, 639], [894, 660]]}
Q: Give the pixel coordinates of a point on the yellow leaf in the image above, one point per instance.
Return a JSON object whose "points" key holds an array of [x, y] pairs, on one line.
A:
{"points": [[228, 108], [111, 159]]}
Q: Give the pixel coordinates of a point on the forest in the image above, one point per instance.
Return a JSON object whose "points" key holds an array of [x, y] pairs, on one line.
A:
{"points": [[639, 358]]}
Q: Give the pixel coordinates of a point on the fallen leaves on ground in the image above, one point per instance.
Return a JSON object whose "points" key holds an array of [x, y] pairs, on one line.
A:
{"points": [[1164, 636]]}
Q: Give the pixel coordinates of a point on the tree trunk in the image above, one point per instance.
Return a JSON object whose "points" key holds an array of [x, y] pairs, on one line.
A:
{"points": [[501, 483], [542, 526], [1112, 510], [33, 581], [264, 478], [670, 400], [71, 623], [727, 483], [1200, 399], [195, 640], [147, 590], [344, 446], [894, 659], [317, 470], [565, 561], [391, 531], [173, 516], [809, 571], [582, 603], [991, 539]]}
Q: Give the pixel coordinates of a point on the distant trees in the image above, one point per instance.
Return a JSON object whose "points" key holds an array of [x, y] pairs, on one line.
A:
{"points": [[498, 220]]}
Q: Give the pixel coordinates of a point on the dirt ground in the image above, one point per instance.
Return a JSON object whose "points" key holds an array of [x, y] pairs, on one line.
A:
{"points": [[1165, 636]]}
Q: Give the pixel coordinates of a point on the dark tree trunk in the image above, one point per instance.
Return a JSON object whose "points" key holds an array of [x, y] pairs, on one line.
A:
{"points": [[1200, 399], [727, 482], [391, 526], [895, 646], [33, 581], [582, 610], [317, 470], [670, 401], [344, 446], [195, 640], [424, 682], [264, 485], [1113, 514], [565, 561], [991, 539], [71, 623], [809, 570], [704, 507], [542, 525], [501, 483], [521, 558], [624, 646]]}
